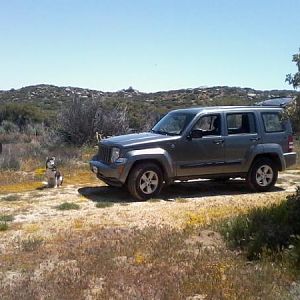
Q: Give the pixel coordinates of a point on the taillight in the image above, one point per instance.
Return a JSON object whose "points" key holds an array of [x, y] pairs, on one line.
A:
{"points": [[290, 143]]}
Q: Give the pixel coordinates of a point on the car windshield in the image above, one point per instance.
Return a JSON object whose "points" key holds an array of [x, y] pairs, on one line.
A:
{"points": [[173, 123]]}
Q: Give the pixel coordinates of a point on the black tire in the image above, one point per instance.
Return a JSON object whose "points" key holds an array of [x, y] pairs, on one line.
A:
{"points": [[262, 175], [140, 185]]}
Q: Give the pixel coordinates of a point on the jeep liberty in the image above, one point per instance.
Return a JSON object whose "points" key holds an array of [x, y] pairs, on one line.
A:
{"points": [[251, 142]]}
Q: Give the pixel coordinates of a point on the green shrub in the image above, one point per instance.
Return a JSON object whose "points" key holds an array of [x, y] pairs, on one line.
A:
{"points": [[11, 198], [21, 114], [104, 204], [266, 229], [3, 226], [6, 218], [8, 126], [67, 206]]}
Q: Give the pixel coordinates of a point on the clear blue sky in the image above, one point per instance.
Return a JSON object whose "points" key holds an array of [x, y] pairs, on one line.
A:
{"points": [[148, 44]]}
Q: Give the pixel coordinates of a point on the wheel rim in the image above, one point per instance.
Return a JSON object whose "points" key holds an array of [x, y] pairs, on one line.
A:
{"points": [[264, 175], [149, 182]]}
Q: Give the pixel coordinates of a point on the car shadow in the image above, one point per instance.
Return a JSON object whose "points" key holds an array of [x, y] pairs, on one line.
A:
{"points": [[194, 189], [106, 194]]}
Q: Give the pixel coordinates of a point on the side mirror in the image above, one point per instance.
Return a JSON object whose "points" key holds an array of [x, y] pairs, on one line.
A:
{"points": [[196, 134]]}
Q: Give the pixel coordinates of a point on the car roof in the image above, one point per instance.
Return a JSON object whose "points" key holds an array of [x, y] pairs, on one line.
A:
{"points": [[197, 110], [282, 102]]}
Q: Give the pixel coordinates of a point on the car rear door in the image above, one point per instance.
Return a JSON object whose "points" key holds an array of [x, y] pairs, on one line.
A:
{"points": [[242, 136]]}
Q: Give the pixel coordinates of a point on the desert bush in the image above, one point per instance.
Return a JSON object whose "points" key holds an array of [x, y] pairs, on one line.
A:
{"points": [[11, 198], [78, 122], [8, 126], [67, 206], [104, 204], [6, 218], [21, 114], [14, 155], [10, 158], [75, 122], [29, 156], [3, 226], [266, 229], [111, 121], [11, 134], [31, 243]]}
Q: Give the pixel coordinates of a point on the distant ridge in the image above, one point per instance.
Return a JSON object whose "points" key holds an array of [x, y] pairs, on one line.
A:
{"points": [[45, 95]]}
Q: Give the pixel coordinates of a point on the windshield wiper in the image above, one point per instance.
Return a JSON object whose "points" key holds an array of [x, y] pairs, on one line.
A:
{"points": [[163, 132], [159, 132]]}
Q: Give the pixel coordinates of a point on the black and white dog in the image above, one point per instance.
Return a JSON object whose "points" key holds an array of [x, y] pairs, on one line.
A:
{"points": [[54, 177]]}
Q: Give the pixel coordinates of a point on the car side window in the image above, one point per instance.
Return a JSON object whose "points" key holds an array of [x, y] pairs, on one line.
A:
{"points": [[272, 122], [209, 125], [241, 123]]}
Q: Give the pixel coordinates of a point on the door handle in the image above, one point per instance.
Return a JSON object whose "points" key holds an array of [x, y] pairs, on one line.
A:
{"points": [[255, 139], [218, 142]]}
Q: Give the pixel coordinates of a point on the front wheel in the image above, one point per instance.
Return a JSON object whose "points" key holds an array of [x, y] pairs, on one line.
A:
{"points": [[262, 175], [145, 181]]}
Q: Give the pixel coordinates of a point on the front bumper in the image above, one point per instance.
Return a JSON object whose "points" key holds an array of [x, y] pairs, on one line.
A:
{"points": [[113, 173], [290, 159]]}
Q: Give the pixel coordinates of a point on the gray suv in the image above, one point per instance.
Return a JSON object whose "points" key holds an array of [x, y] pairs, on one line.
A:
{"points": [[207, 142]]}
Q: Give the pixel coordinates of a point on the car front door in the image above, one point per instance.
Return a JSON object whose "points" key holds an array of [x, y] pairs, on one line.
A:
{"points": [[203, 154]]}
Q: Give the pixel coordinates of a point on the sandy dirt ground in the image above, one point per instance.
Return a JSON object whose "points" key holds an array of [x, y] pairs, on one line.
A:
{"points": [[35, 212]]}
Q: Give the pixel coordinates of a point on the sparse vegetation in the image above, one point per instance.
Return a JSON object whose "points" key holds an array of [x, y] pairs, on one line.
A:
{"points": [[11, 198], [267, 230], [3, 226], [104, 204], [6, 218], [116, 263], [32, 243], [100, 261], [67, 206]]}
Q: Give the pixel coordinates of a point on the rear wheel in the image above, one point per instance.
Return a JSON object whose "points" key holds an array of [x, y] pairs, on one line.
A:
{"points": [[262, 175], [145, 181]]}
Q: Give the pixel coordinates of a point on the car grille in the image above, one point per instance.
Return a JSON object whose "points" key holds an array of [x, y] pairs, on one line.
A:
{"points": [[104, 153]]}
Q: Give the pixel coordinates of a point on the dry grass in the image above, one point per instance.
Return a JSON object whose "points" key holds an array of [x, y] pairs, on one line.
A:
{"points": [[20, 187], [31, 157], [81, 255], [74, 177], [115, 263]]}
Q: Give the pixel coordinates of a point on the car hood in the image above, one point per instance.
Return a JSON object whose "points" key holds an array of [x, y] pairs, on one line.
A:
{"points": [[135, 139]]}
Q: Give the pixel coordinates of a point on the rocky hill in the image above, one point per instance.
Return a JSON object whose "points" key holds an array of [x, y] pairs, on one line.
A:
{"points": [[53, 97]]}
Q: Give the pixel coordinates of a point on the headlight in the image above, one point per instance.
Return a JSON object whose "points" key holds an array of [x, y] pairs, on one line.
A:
{"points": [[115, 154]]}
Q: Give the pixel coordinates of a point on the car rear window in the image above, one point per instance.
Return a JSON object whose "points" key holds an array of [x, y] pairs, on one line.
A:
{"points": [[241, 123], [272, 122]]}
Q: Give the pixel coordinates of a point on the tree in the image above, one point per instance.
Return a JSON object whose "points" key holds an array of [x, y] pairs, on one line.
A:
{"points": [[80, 120], [294, 79], [75, 122], [111, 121]]}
